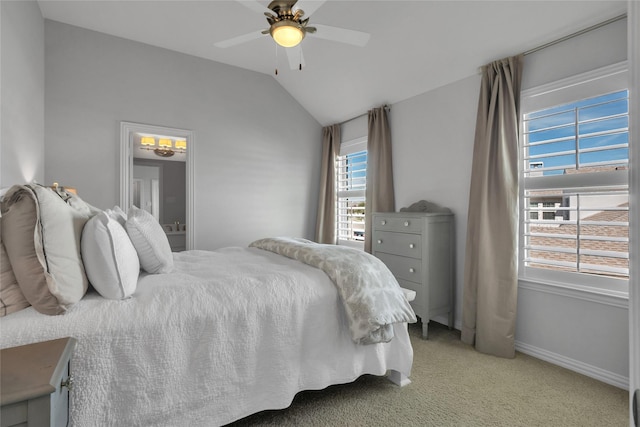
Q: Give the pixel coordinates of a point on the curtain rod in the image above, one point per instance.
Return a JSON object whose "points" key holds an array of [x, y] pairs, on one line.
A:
{"points": [[576, 34], [386, 107]]}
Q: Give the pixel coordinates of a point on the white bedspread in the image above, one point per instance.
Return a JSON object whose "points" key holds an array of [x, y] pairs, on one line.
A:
{"points": [[229, 333]]}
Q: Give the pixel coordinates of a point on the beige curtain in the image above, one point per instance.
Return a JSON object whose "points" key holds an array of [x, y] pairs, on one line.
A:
{"points": [[491, 263], [379, 194], [326, 218]]}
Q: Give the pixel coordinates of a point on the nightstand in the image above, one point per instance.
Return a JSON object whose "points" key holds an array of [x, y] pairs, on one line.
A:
{"points": [[35, 383]]}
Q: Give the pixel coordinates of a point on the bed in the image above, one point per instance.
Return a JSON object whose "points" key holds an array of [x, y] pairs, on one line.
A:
{"points": [[225, 334]]}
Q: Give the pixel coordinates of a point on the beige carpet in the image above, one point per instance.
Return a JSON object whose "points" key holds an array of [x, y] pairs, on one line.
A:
{"points": [[453, 385]]}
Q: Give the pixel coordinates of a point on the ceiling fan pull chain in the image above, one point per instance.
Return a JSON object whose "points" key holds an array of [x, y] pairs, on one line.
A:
{"points": [[276, 59], [300, 61]]}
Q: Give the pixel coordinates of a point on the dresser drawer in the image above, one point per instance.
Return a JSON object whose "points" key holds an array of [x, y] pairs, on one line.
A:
{"points": [[418, 304], [14, 414], [403, 244], [403, 268], [419, 288], [396, 223]]}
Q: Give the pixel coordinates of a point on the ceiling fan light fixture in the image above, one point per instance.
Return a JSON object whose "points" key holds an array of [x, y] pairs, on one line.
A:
{"points": [[287, 33]]}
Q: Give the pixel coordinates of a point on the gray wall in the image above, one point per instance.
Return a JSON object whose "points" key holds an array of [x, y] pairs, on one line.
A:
{"points": [[432, 152], [432, 138], [579, 330], [22, 85], [254, 176]]}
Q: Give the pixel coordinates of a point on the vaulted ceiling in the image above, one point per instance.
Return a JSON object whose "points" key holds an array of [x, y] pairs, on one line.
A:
{"points": [[415, 46]]}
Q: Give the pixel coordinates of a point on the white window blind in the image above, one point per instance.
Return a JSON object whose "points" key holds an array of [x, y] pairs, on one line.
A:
{"points": [[592, 133], [351, 170], [586, 231], [574, 185]]}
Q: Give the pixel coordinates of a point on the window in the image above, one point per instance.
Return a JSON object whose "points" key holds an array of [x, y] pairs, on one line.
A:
{"points": [[574, 181], [351, 171]]}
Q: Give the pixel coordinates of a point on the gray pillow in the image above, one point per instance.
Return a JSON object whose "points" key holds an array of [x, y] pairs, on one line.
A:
{"points": [[42, 235], [11, 297]]}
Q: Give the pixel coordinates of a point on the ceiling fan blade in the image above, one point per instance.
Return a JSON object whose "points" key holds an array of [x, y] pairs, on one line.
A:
{"points": [[309, 6], [239, 39], [342, 35], [296, 59], [253, 5]]}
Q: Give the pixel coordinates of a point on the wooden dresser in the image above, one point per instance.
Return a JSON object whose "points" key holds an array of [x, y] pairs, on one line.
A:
{"points": [[418, 249], [35, 384]]}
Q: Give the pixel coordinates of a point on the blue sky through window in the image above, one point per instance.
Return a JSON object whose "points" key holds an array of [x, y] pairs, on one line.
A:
{"points": [[356, 169], [591, 131]]}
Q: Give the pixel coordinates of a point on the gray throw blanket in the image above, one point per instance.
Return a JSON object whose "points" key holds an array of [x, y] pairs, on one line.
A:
{"points": [[372, 298]]}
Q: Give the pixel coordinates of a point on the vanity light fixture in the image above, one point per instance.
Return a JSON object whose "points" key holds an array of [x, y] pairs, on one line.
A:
{"points": [[180, 145], [165, 148], [147, 141]]}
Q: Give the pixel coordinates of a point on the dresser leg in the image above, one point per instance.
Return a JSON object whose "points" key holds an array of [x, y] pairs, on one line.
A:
{"points": [[425, 330]]}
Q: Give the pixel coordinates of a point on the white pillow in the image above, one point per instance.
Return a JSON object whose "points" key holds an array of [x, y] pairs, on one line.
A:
{"points": [[118, 215], [110, 260], [150, 241]]}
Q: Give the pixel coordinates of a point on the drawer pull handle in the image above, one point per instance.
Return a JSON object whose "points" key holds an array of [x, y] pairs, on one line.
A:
{"points": [[68, 383], [412, 270], [411, 245], [383, 222], [406, 223], [379, 241]]}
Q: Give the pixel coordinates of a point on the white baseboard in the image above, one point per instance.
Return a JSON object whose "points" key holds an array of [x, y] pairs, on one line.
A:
{"points": [[599, 374], [591, 371]]}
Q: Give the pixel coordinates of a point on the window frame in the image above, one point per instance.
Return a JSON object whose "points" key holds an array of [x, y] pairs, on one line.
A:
{"points": [[349, 147], [582, 86]]}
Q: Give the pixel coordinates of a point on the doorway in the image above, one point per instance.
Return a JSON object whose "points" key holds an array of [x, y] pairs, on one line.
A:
{"points": [[157, 176]]}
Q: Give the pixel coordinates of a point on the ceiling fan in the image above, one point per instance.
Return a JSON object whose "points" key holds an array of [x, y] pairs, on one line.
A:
{"points": [[288, 28]]}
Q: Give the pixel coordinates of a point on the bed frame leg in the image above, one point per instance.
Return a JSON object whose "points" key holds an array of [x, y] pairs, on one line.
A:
{"points": [[398, 378]]}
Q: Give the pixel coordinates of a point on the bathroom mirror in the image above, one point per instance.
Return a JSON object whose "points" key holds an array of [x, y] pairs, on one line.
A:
{"points": [[156, 175]]}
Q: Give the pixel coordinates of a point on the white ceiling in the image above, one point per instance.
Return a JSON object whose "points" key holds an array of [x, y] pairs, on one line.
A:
{"points": [[415, 46]]}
